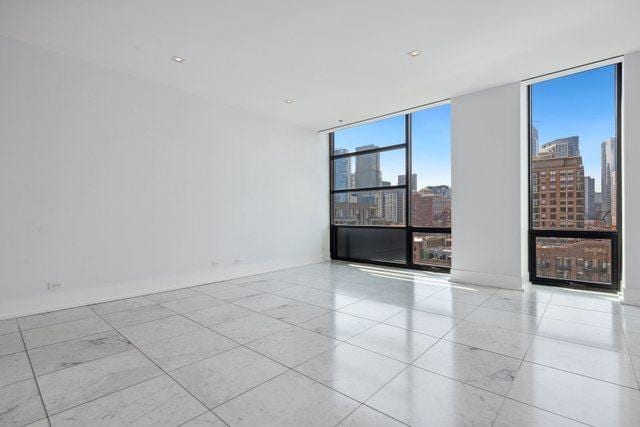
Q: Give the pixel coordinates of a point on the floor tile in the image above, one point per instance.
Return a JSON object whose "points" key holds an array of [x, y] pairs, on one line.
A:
{"points": [[418, 397], [218, 314], [505, 319], [524, 306], [351, 370], [178, 351], [604, 303], [199, 302], [268, 285], [431, 324], [608, 339], [465, 296], [249, 328], [630, 323], [208, 419], [261, 302], [330, 300], [292, 346], [367, 417], [65, 331], [287, 400], [518, 414], [66, 354], [337, 325], [159, 401], [8, 326], [10, 343], [397, 343], [484, 369], [54, 318], [148, 332], [14, 368], [168, 296], [214, 288], [40, 423], [586, 317], [498, 340], [120, 305], [596, 403], [453, 309], [633, 344], [295, 312], [592, 362], [20, 404], [234, 294], [371, 310], [224, 376], [64, 389], [134, 316]]}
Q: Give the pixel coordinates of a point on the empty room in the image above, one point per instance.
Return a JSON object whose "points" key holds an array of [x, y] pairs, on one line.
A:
{"points": [[336, 213]]}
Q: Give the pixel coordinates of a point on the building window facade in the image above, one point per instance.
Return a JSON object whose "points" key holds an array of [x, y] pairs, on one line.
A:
{"points": [[574, 169], [377, 214]]}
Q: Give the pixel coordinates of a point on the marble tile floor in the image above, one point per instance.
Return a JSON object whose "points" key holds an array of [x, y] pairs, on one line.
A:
{"points": [[327, 344]]}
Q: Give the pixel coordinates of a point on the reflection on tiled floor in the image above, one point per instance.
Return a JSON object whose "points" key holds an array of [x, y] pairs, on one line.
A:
{"points": [[327, 344]]}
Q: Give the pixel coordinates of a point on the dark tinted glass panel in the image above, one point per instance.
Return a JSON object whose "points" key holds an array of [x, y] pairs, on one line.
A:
{"points": [[381, 133], [574, 170], [371, 244], [432, 249], [369, 170], [380, 207], [431, 167], [585, 260]]}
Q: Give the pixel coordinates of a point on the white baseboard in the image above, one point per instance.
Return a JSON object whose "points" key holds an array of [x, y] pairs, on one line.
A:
{"points": [[487, 279], [63, 299], [629, 296]]}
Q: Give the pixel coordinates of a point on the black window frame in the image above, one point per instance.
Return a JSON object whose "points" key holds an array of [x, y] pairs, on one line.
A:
{"points": [[615, 237], [408, 228]]}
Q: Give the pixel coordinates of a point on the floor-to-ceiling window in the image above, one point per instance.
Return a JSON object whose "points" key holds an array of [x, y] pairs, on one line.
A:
{"points": [[575, 176], [379, 215]]}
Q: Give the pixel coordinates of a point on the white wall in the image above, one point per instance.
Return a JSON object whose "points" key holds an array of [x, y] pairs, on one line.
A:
{"points": [[631, 178], [488, 208], [116, 186]]}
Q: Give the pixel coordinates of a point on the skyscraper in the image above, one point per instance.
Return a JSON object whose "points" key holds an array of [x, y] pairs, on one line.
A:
{"points": [[557, 191], [534, 141], [609, 167], [589, 198], [563, 147], [368, 173], [402, 180], [341, 173]]}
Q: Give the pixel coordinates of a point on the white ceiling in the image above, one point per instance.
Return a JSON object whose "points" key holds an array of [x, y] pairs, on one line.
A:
{"points": [[339, 60]]}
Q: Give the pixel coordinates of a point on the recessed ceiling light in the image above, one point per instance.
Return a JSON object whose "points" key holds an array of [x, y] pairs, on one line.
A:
{"points": [[414, 53], [178, 59], [288, 101]]}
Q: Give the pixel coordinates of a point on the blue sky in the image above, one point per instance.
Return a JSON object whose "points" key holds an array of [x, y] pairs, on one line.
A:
{"points": [[580, 104]]}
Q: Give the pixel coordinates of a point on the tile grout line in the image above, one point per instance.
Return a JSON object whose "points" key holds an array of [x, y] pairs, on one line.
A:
{"points": [[161, 370], [35, 379]]}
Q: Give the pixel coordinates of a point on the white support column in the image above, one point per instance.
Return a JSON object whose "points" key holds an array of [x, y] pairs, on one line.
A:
{"points": [[489, 188]]}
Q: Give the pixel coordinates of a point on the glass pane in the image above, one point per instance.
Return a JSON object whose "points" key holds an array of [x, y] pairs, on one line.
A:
{"points": [[574, 151], [585, 260], [381, 133], [369, 170], [380, 207], [368, 244], [431, 167], [432, 249]]}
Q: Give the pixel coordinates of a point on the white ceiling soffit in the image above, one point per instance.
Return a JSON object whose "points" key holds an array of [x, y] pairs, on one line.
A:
{"points": [[337, 60]]}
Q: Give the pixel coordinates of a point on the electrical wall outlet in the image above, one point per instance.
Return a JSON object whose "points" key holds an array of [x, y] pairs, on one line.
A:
{"points": [[215, 264], [239, 260], [53, 286]]}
